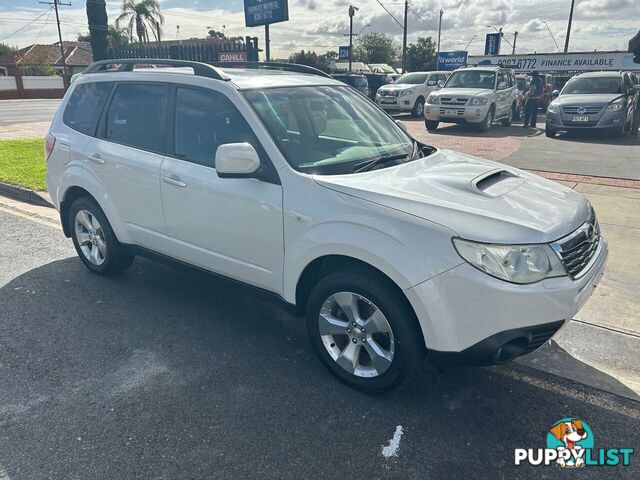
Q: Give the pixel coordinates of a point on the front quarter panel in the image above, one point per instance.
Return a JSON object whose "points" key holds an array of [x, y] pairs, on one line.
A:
{"points": [[319, 221]]}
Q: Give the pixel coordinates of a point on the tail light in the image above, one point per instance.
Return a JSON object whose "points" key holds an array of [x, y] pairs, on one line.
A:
{"points": [[49, 143]]}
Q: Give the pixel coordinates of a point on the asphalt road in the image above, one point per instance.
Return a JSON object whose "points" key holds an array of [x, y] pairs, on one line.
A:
{"points": [[162, 373], [27, 111]]}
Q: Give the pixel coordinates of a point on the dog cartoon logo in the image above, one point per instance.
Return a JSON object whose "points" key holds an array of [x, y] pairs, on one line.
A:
{"points": [[570, 437]]}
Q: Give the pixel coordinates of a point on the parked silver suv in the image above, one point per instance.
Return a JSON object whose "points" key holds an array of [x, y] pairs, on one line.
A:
{"points": [[478, 95]]}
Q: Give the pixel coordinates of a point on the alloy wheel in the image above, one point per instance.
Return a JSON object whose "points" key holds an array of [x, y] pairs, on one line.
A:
{"points": [[356, 334], [90, 237]]}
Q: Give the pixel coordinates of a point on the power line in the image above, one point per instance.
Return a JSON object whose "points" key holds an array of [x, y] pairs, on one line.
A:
{"points": [[22, 28]]}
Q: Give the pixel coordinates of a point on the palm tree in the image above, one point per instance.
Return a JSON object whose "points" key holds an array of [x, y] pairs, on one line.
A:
{"points": [[144, 15]]}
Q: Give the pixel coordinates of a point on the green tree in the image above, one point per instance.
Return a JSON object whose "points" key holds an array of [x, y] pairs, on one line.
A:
{"points": [[222, 36], [375, 47], [312, 59], [97, 18], [5, 48], [116, 37], [144, 16], [421, 56]]}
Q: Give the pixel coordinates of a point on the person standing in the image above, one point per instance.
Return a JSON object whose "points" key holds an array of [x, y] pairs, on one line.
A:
{"points": [[533, 99]]}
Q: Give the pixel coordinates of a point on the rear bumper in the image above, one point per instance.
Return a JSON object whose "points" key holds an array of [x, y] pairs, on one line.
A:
{"points": [[500, 347]]}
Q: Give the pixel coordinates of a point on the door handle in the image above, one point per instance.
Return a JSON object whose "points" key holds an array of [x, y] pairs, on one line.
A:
{"points": [[97, 158], [174, 180]]}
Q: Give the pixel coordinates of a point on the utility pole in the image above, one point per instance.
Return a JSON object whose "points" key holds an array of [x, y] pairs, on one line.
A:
{"points": [[515, 39], [404, 37], [55, 4], [352, 12], [267, 50], [566, 41], [439, 30]]}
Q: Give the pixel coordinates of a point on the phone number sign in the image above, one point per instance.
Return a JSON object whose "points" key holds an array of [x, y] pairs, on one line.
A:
{"points": [[263, 12]]}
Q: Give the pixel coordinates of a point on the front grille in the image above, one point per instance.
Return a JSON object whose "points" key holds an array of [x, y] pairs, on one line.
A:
{"points": [[582, 110], [455, 101], [577, 249], [590, 123], [390, 93], [451, 112]]}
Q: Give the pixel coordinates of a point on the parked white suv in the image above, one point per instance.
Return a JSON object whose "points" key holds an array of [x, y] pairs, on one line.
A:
{"points": [[299, 186], [477, 95], [409, 92]]}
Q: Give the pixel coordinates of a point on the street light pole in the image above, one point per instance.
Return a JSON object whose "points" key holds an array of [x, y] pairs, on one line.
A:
{"points": [[404, 37], [566, 41], [439, 30], [352, 12]]}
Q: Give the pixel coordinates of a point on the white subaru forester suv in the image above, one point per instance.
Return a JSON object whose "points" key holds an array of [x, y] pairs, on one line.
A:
{"points": [[299, 186]]}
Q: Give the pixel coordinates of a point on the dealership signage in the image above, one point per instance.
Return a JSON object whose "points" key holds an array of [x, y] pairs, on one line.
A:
{"points": [[264, 12], [232, 57], [492, 44], [561, 61], [451, 60], [343, 53]]}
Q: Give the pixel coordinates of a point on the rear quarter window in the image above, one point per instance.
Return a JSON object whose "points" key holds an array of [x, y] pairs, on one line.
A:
{"points": [[84, 106]]}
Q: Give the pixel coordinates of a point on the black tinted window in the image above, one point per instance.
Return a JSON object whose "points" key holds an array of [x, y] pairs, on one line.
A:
{"points": [[137, 116], [205, 120], [85, 105]]}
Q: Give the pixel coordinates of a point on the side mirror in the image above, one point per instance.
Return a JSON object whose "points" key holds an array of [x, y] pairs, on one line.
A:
{"points": [[401, 124], [236, 160], [555, 94], [502, 86]]}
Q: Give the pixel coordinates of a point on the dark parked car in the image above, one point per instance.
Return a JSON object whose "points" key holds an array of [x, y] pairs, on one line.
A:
{"points": [[376, 80], [594, 100], [357, 81]]}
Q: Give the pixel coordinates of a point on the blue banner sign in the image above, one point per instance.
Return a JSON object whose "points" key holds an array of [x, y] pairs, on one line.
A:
{"points": [[263, 12], [343, 53], [452, 60], [492, 44]]}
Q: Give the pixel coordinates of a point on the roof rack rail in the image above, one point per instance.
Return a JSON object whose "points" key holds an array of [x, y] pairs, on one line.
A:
{"points": [[290, 67], [126, 65]]}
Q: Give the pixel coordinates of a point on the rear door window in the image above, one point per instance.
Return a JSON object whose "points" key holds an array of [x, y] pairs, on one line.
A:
{"points": [[137, 116], [85, 105]]}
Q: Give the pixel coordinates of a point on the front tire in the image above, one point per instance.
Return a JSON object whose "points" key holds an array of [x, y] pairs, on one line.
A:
{"points": [[487, 123], [363, 330], [550, 132], [431, 125], [94, 240], [506, 122], [418, 108]]}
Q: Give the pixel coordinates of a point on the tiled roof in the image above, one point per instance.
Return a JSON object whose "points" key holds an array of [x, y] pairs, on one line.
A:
{"points": [[77, 54]]}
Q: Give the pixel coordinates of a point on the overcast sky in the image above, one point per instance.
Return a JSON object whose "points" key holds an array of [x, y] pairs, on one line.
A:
{"points": [[319, 25]]}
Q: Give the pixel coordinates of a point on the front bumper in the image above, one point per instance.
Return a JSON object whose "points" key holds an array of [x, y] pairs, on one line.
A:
{"points": [[396, 104], [560, 120], [455, 114], [470, 317]]}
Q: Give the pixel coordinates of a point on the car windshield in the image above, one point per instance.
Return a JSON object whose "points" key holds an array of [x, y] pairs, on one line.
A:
{"points": [[328, 130], [472, 79], [413, 78], [593, 85]]}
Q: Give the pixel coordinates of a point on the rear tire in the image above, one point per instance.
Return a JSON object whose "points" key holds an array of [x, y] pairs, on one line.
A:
{"points": [[394, 338], [418, 108], [431, 125], [550, 132], [94, 240]]}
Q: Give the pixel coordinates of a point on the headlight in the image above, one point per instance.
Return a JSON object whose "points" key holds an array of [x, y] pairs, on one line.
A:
{"points": [[433, 100], [615, 106], [406, 92], [478, 101], [553, 107], [513, 263]]}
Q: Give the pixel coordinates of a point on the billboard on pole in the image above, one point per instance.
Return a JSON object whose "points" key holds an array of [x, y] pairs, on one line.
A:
{"points": [[264, 12], [568, 62], [492, 44], [452, 60], [343, 53]]}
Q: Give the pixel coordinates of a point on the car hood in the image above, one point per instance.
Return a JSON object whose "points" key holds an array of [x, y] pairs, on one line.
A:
{"points": [[590, 99], [478, 199], [463, 92]]}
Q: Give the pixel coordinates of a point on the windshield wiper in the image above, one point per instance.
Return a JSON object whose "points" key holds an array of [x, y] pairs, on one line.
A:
{"points": [[364, 166]]}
